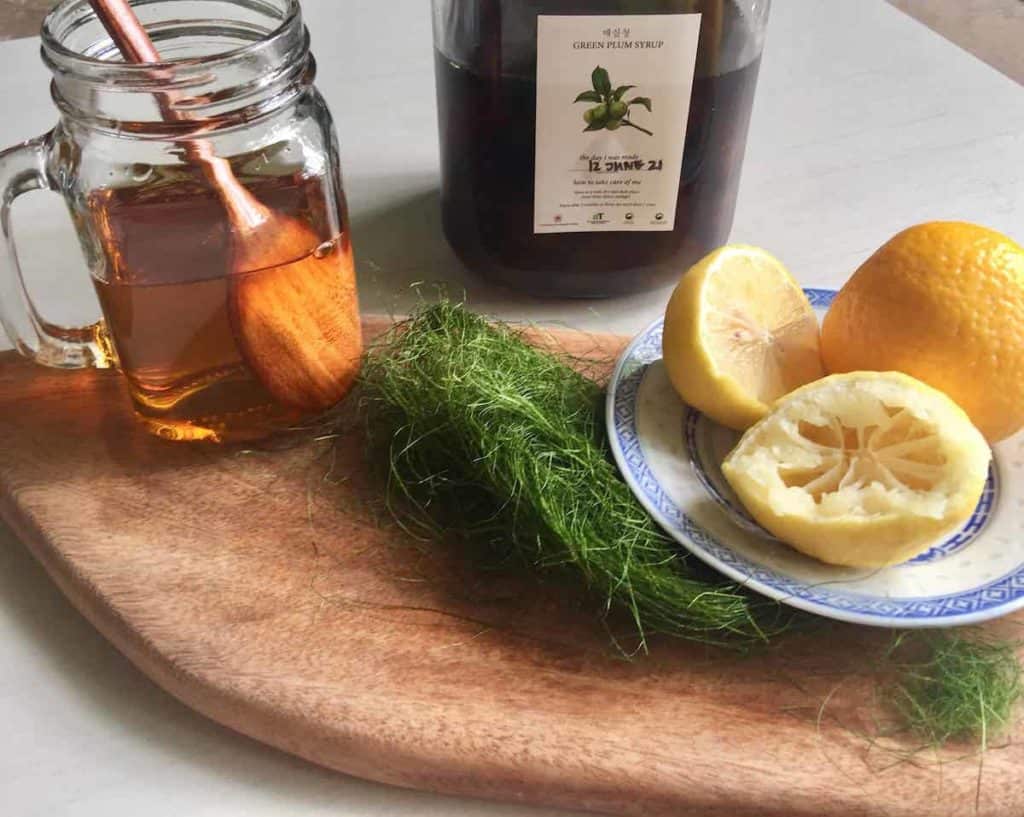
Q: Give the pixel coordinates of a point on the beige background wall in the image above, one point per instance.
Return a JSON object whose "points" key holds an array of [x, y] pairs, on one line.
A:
{"points": [[990, 29]]}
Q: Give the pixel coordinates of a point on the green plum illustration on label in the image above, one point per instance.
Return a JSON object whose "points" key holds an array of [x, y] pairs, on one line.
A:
{"points": [[598, 115], [610, 112]]}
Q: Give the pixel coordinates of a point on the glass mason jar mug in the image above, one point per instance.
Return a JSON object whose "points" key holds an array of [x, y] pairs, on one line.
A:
{"points": [[220, 337], [592, 147]]}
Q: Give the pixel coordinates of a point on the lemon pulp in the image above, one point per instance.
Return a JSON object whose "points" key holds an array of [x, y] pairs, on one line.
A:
{"points": [[864, 469]]}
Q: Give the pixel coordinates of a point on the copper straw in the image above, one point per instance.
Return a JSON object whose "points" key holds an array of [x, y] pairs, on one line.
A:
{"points": [[129, 35], [125, 30]]}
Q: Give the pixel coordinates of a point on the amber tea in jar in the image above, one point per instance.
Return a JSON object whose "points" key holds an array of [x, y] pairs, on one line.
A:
{"points": [[592, 147], [202, 321], [171, 312]]}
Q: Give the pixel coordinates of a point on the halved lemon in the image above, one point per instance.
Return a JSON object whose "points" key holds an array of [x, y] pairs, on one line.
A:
{"points": [[864, 469], [739, 334]]}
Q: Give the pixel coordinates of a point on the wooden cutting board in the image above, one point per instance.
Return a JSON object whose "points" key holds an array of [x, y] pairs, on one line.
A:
{"points": [[268, 591]]}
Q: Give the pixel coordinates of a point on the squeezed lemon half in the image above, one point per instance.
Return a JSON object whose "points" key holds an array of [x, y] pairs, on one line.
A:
{"points": [[739, 334], [864, 469]]}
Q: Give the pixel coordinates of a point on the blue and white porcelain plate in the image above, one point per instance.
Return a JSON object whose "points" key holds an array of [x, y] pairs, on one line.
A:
{"points": [[670, 455]]}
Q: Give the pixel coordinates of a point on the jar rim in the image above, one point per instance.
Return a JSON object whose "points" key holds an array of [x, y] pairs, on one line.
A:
{"points": [[74, 61]]}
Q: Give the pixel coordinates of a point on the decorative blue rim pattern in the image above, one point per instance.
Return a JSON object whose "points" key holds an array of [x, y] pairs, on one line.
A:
{"points": [[997, 597]]}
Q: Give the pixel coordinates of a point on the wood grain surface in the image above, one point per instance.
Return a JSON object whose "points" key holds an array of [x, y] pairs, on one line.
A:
{"points": [[266, 589]]}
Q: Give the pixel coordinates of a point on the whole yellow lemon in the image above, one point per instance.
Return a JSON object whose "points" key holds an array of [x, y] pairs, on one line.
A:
{"points": [[942, 302]]}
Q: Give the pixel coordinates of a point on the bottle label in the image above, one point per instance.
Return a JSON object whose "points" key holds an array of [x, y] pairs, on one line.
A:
{"points": [[613, 99]]}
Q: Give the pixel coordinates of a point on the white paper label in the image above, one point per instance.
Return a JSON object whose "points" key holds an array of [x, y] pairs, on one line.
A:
{"points": [[611, 161]]}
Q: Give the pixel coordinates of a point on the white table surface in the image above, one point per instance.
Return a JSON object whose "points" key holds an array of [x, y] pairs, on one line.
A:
{"points": [[865, 122]]}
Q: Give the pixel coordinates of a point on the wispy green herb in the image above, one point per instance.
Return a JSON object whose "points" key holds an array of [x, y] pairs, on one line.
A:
{"points": [[956, 688], [490, 440]]}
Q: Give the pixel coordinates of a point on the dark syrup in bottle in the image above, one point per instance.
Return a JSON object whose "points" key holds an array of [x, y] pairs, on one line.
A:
{"points": [[487, 118]]}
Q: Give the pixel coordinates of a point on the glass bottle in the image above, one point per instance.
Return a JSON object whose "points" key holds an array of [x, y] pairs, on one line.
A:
{"points": [[491, 92]]}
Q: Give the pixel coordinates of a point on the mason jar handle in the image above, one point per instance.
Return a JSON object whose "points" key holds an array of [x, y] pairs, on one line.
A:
{"points": [[23, 169]]}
